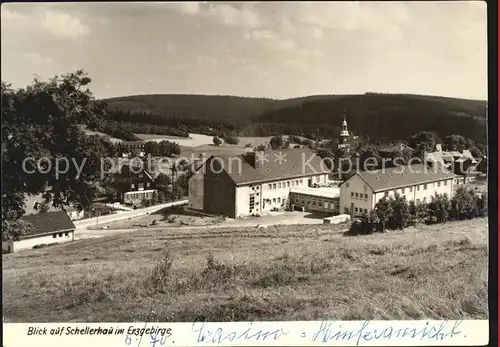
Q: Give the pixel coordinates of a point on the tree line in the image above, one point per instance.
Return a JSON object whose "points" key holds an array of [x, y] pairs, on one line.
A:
{"points": [[163, 148]]}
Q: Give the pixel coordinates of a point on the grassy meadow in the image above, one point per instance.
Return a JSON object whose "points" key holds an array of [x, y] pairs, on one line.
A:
{"points": [[303, 272]]}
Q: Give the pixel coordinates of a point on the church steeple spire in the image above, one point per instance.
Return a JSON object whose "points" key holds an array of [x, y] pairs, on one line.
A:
{"points": [[344, 133]]}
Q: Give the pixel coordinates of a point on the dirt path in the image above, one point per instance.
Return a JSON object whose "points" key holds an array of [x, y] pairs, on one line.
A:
{"points": [[284, 219]]}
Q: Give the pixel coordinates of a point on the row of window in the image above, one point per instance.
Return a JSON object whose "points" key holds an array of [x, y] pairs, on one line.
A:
{"points": [[410, 189], [60, 235], [359, 195], [286, 184], [252, 202], [318, 179], [277, 200], [445, 183], [137, 196], [356, 209], [314, 202], [140, 185]]}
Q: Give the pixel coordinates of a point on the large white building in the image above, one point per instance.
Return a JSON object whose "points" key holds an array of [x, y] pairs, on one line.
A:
{"points": [[361, 192], [256, 182]]}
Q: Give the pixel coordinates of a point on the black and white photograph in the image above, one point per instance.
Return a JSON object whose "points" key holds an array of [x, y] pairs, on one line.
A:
{"points": [[244, 161]]}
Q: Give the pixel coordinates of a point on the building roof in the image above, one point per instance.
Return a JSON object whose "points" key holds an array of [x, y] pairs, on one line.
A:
{"points": [[32, 200], [395, 148], [49, 222], [297, 162], [128, 170], [121, 168], [466, 153], [447, 157], [450, 156], [403, 176], [436, 157], [319, 192]]}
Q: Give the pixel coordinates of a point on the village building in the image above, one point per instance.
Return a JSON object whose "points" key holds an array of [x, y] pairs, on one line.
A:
{"points": [[398, 148], [34, 204], [256, 182], [361, 192], [74, 214], [463, 164], [134, 184], [132, 148], [48, 228]]}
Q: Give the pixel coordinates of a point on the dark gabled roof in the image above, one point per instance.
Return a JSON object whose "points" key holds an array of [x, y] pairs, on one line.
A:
{"points": [[297, 162], [403, 176], [127, 171], [49, 222]]}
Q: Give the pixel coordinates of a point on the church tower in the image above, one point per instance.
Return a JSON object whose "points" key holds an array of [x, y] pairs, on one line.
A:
{"points": [[344, 135]]}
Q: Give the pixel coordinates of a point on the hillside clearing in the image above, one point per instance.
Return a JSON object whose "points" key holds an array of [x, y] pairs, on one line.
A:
{"points": [[100, 134], [280, 273], [192, 141]]}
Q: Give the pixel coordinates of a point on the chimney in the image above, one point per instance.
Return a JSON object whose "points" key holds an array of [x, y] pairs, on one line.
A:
{"points": [[252, 158]]}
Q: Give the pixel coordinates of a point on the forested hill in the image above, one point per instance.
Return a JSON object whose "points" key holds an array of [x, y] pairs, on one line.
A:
{"points": [[391, 116], [379, 116], [194, 106]]}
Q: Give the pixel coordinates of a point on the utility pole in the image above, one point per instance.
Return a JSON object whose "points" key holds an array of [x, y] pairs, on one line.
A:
{"points": [[174, 171]]}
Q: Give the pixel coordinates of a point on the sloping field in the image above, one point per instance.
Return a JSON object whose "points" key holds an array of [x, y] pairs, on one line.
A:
{"points": [[193, 140], [279, 273], [105, 136]]}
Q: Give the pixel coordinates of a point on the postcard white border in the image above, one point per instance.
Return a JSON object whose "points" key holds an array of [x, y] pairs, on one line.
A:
{"points": [[307, 333]]}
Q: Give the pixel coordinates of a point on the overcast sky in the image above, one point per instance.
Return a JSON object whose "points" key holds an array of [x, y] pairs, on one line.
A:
{"points": [[262, 49]]}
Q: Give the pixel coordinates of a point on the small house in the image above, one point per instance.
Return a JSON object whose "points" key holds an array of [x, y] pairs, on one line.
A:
{"points": [[129, 148], [74, 214], [34, 205], [134, 185], [48, 228]]}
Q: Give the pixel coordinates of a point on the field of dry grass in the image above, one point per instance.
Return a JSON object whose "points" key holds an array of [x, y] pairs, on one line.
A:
{"points": [[304, 272]]}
